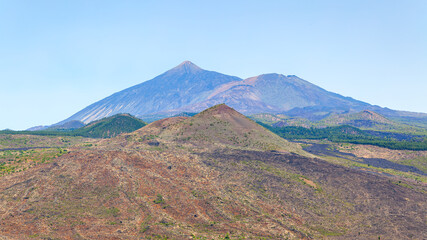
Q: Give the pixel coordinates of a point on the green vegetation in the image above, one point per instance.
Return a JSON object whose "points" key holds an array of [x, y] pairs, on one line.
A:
{"points": [[19, 160], [419, 162], [30, 141], [326, 232], [144, 225], [414, 121], [355, 164], [113, 211], [159, 199], [349, 134], [365, 120], [104, 128], [110, 127]]}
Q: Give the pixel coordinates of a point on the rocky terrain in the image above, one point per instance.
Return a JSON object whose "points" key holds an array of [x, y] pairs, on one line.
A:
{"points": [[216, 175]]}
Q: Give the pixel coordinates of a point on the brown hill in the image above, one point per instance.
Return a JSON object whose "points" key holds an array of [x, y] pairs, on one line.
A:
{"points": [[220, 126], [156, 183]]}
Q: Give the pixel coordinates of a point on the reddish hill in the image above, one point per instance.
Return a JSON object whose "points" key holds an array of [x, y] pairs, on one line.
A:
{"points": [[156, 183], [222, 126]]}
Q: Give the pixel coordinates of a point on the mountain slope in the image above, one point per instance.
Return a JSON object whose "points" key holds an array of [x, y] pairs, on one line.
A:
{"points": [[155, 183], [275, 93], [178, 87]]}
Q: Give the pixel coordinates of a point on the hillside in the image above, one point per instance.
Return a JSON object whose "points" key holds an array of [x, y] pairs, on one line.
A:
{"points": [[366, 127], [366, 120], [157, 183], [221, 125], [110, 127]]}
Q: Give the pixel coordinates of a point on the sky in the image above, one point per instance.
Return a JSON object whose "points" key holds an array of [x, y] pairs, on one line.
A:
{"points": [[57, 57]]}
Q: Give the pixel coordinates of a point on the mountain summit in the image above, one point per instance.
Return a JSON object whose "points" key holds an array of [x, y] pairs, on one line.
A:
{"points": [[181, 86], [189, 88], [187, 67]]}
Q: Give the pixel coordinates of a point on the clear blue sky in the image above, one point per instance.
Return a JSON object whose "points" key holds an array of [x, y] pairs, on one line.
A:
{"points": [[57, 57]]}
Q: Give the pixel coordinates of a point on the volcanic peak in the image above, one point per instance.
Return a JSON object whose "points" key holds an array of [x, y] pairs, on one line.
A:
{"points": [[187, 66], [219, 109], [219, 126]]}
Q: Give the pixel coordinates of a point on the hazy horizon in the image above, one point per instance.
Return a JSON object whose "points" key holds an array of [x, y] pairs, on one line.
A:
{"points": [[59, 57]]}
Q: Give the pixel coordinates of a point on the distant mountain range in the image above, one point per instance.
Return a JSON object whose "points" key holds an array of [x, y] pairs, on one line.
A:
{"points": [[188, 88]]}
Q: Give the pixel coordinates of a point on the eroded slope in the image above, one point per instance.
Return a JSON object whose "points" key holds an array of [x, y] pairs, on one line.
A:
{"points": [[183, 178]]}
